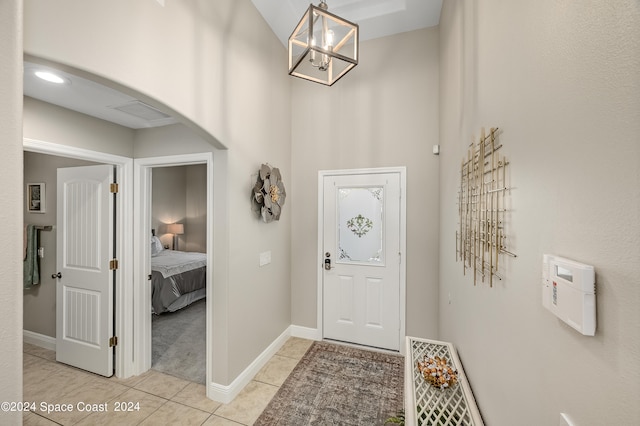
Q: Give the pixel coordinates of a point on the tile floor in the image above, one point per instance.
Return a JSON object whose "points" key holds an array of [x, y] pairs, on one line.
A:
{"points": [[162, 399]]}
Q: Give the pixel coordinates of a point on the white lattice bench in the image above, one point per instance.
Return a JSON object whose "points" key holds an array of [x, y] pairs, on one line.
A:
{"points": [[427, 405]]}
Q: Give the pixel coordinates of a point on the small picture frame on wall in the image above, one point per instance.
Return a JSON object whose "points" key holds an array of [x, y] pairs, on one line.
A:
{"points": [[35, 198]]}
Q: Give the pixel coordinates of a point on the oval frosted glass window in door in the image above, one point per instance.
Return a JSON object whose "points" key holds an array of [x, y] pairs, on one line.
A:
{"points": [[360, 233]]}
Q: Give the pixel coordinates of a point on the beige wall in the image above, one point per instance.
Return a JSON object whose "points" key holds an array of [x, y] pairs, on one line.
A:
{"points": [[383, 113], [561, 79], [168, 140], [40, 301], [218, 67], [11, 210]]}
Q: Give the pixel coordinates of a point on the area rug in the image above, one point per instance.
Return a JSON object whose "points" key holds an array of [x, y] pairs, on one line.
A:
{"points": [[338, 385], [178, 342]]}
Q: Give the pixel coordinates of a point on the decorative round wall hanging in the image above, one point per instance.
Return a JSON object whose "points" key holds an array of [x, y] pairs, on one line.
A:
{"points": [[268, 194]]}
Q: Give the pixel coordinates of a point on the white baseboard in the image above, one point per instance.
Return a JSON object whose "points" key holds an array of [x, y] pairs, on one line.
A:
{"points": [[226, 393], [305, 332], [40, 340]]}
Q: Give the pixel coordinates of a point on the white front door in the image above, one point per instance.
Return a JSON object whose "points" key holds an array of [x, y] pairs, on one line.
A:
{"points": [[85, 246], [361, 250]]}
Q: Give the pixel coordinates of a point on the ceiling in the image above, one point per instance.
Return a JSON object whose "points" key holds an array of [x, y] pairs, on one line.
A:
{"points": [[376, 18], [91, 98]]}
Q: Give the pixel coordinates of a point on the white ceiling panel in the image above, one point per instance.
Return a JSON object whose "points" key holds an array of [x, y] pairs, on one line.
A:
{"points": [[376, 18]]}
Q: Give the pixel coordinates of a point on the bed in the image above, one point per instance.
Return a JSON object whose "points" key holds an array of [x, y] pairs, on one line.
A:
{"points": [[178, 278]]}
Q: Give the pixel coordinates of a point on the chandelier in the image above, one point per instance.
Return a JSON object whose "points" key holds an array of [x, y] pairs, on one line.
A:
{"points": [[323, 47]]}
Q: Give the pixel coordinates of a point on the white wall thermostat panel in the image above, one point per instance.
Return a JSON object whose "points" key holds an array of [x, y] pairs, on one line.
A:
{"points": [[569, 291]]}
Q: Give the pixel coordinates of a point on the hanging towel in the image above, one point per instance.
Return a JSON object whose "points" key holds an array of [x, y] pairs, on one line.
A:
{"points": [[31, 274]]}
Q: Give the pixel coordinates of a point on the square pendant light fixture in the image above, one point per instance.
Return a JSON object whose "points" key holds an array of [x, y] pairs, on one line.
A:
{"points": [[323, 47]]}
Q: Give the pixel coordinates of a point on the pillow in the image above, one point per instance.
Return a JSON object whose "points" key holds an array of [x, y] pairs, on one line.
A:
{"points": [[156, 246]]}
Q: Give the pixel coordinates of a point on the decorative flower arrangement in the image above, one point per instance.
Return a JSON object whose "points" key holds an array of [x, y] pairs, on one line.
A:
{"points": [[268, 194], [436, 371]]}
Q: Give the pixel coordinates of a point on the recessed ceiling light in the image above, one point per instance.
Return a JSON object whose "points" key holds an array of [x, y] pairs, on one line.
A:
{"points": [[50, 77]]}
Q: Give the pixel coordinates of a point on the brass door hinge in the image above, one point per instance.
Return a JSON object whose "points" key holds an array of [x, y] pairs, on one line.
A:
{"points": [[113, 264], [113, 188], [113, 341]]}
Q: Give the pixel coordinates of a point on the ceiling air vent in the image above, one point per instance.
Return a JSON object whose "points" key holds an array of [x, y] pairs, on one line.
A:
{"points": [[142, 110]]}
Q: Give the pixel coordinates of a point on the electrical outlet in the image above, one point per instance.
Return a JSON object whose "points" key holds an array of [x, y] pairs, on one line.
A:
{"points": [[265, 258]]}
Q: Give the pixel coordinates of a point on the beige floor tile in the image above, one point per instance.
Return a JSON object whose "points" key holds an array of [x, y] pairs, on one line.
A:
{"points": [[31, 419], [69, 378], [87, 399], [52, 387], [29, 360], [172, 413], [28, 347], [133, 407], [47, 354], [162, 385], [35, 368], [219, 421], [249, 404], [195, 395], [276, 371], [295, 347], [131, 381]]}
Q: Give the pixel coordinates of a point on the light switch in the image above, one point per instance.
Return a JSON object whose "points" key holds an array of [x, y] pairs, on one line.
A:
{"points": [[41, 252], [265, 258]]}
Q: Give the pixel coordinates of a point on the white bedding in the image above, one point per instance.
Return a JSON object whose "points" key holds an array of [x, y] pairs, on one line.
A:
{"points": [[172, 262]]}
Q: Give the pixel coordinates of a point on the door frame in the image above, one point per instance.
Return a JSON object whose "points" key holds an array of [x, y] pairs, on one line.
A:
{"points": [[142, 257], [402, 171], [124, 246]]}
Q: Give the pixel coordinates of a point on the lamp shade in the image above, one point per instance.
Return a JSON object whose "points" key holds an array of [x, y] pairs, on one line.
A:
{"points": [[175, 228], [323, 47]]}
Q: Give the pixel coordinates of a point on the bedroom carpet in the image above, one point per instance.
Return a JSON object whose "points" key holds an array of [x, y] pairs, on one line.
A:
{"points": [[338, 385], [178, 342]]}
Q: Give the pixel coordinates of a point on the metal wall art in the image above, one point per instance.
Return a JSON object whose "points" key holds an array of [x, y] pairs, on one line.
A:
{"points": [[268, 194], [481, 239]]}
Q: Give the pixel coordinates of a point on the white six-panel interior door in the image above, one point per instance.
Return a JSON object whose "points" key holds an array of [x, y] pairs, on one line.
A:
{"points": [[361, 292], [84, 294]]}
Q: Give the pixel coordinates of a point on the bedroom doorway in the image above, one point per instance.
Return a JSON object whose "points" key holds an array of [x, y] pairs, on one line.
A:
{"points": [[143, 171], [178, 270]]}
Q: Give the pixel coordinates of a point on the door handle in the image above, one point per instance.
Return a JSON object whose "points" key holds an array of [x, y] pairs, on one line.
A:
{"points": [[327, 261], [58, 275]]}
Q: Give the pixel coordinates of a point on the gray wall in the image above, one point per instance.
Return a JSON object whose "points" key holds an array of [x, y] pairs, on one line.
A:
{"points": [[40, 301], [11, 211], [196, 193], [561, 79], [383, 113], [168, 201], [179, 195]]}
